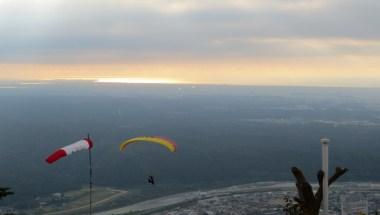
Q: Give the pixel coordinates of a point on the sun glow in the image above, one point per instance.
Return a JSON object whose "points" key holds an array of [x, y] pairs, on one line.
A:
{"points": [[136, 81]]}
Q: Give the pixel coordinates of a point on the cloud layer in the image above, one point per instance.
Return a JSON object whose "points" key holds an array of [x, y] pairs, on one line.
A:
{"points": [[130, 31]]}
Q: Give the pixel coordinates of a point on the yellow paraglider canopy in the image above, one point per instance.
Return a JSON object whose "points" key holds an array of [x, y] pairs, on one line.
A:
{"points": [[169, 144]]}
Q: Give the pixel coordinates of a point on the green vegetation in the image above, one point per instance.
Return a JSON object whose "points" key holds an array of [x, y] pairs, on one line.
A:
{"points": [[5, 191]]}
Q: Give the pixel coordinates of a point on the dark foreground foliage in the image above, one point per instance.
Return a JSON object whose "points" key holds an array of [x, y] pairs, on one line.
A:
{"points": [[307, 202]]}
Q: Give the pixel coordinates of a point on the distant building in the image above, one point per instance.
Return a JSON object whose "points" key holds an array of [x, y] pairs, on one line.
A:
{"points": [[57, 196], [354, 204], [7, 210]]}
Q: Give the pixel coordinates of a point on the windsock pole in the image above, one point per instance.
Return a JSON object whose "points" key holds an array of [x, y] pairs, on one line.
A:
{"points": [[325, 167], [90, 175]]}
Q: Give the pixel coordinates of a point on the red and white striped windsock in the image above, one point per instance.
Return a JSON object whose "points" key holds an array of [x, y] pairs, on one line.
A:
{"points": [[68, 150]]}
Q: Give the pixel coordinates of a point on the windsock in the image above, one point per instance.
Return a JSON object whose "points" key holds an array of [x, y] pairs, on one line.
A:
{"points": [[68, 150]]}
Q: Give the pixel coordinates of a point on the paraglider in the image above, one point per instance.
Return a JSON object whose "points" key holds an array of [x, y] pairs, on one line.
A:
{"points": [[169, 144], [68, 150]]}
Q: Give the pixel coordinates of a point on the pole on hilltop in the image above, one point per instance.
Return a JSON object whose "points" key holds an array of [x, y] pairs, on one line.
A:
{"points": [[325, 168], [90, 174]]}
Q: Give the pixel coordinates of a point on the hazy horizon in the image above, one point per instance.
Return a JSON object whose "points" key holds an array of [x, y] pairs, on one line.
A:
{"points": [[245, 88], [260, 42]]}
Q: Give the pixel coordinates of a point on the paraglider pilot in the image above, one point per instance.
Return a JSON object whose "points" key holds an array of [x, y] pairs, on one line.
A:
{"points": [[151, 180]]}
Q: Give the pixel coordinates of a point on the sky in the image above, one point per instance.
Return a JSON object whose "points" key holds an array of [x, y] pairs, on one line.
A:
{"points": [[243, 42]]}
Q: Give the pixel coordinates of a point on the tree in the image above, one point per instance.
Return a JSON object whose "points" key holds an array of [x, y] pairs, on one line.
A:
{"points": [[291, 208], [5, 191], [308, 203]]}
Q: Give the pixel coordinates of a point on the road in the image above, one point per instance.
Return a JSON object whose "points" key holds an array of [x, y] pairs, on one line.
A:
{"points": [[195, 195]]}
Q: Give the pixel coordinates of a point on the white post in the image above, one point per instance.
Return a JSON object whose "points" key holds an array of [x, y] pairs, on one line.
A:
{"points": [[325, 167]]}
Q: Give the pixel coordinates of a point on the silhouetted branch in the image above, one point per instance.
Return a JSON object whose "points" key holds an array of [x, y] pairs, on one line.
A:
{"points": [[338, 172], [308, 202]]}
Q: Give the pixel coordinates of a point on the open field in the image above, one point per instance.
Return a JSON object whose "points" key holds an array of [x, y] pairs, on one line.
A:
{"points": [[76, 202]]}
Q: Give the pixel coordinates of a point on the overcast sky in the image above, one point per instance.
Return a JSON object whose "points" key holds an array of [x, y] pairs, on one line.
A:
{"points": [[275, 42]]}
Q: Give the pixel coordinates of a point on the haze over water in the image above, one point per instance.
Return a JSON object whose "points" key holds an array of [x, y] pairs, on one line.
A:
{"points": [[246, 88], [226, 135]]}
